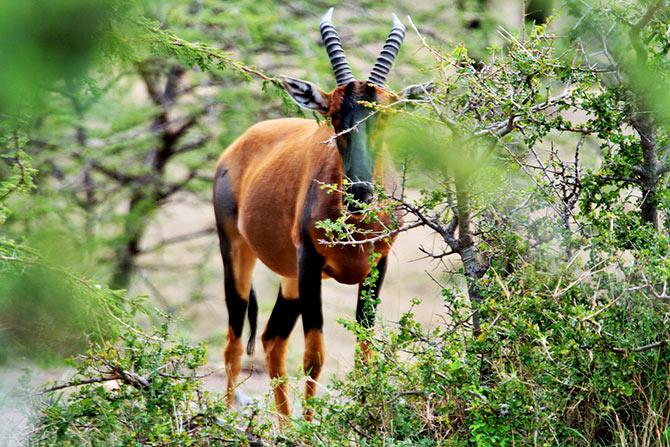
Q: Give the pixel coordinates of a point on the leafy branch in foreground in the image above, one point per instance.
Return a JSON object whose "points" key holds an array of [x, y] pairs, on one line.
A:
{"points": [[164, 42], [154, 396]]}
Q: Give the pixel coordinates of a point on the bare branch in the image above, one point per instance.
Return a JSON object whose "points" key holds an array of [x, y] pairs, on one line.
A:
{"points": [[180, 238], [194, 145], [127, 377], [77, 383]]}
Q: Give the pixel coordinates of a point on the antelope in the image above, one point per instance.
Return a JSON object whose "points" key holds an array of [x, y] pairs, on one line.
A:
{"points": [[268, 198]]}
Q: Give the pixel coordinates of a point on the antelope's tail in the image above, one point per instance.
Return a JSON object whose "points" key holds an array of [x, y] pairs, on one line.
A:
{"points": [[252, 314]]}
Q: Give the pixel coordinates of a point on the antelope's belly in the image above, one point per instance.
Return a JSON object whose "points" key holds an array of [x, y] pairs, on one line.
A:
{"points": [[266, 223]]}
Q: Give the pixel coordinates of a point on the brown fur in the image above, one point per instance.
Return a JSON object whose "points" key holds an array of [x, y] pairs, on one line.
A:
{"points": [[365, 352], [244, 260], [312, 363], [275, 358], [232, 356], [289, 288], [271, 175]]}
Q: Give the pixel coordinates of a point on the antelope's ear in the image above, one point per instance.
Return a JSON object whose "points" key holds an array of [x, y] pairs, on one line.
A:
{"points": [[305, 94], [418, 91]]}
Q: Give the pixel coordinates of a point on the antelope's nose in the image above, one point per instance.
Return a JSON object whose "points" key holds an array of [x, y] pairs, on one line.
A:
{"points": [[362, 192]]}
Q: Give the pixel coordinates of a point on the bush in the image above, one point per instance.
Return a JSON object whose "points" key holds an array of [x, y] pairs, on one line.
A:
{"points": [[574, 355], [568, 355], [137, 389]]}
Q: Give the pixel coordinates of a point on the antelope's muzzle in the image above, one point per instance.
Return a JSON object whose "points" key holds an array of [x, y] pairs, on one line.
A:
{"points": [[362, 192]]}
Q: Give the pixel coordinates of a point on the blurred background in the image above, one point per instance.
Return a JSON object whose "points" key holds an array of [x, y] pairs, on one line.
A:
{"points": [[125, 142]]}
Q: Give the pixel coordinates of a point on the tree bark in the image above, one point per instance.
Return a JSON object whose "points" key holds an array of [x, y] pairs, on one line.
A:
{"points": [[643, 121], [649, 169], [473, 267], [140, 207]]}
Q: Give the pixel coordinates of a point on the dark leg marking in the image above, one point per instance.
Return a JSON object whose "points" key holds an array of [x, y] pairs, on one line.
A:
{"points": [[252, 315], [283, 317], [275, 343], [310, 267]]}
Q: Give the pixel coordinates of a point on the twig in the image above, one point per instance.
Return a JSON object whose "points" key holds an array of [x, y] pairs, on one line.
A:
{"points": [[656, 344], [79, 383]]}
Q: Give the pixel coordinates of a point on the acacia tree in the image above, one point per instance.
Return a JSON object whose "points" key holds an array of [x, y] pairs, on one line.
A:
{"points": [[630, 46], [486, 114], [507, 108]]}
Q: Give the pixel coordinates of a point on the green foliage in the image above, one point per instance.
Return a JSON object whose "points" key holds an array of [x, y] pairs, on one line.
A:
{"points": [[52, 50], [352, 228], [634, 40], [137, 389], [560, 361], [567, 362], [19, 179], [48, 310]]}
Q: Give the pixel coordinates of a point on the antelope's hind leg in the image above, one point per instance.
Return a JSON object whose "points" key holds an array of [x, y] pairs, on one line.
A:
{"points": [[240, 299], [238, 264], [275, 339]]}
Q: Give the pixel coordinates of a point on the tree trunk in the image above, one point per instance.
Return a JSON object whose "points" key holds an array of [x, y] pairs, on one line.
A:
{"points": [[146, 199], [139, 209], [473, 268], [649, 169]]}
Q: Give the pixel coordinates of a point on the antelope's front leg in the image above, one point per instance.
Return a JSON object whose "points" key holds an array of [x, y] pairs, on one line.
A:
{"points": [[310, 266], [366, 307], [275, 340]]}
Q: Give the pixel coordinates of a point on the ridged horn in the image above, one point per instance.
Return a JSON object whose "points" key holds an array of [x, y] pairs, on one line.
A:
{"points": [[334, 49], [388, 53]]}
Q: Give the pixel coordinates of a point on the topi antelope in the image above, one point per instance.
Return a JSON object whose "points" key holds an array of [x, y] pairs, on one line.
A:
{"points": [[268, 199]]}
